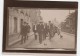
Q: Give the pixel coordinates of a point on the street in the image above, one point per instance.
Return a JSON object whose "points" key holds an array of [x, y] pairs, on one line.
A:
{"points": [[67, 42]]}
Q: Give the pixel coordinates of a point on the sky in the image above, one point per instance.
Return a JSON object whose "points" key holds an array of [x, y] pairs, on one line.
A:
{"points": [[60, 15]]}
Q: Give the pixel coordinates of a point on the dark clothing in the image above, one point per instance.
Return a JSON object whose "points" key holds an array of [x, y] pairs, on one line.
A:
{"points": [[45, 31], [45, 28], [40, 37], [28, 28], [50, 27], [23, 39], [40, 30], [56, 30], [24, 30], [35, 31], [23, 33], [50, 30]]}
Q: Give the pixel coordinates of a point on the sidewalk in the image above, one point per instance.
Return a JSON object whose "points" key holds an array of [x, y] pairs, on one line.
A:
{"points": [[68, 33], [17, 39]]}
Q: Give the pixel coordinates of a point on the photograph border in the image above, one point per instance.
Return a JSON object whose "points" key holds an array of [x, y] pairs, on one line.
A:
{"points": [[36, 4]]}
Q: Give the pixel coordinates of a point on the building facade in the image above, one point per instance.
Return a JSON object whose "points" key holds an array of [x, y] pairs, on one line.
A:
{"points": [[18, 15]]}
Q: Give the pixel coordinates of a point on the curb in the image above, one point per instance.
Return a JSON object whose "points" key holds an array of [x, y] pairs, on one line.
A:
{"points": [[13, 42]]}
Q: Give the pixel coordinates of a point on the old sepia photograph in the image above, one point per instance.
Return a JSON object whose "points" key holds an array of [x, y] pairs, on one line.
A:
{"points": [[35, 28], [40, 27]]}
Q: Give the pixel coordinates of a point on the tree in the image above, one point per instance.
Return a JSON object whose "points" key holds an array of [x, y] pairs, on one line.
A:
{"points": [[70, 23]]}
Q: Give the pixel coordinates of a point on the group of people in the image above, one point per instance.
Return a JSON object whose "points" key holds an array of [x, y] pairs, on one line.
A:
{"points": [[41, 30], [44, 30]]}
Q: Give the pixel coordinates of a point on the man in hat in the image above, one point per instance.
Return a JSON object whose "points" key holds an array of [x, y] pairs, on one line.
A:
{"points": [[35, 31], [23, 32], [45, 32], [40, 29], [50, 30], [27, 29]]}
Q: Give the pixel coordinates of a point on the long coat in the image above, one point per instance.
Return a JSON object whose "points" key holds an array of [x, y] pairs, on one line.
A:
{"points": [[40, 28], [40, 31], [45, 28], [28, 28], [50, 30], [24, 30], [50, 27]]}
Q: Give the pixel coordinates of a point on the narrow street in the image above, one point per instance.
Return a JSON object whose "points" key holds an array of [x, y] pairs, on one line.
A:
{"points": [[67, 41]]}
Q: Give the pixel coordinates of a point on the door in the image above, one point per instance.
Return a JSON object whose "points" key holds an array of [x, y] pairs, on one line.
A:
{"points": [[15, 25]]}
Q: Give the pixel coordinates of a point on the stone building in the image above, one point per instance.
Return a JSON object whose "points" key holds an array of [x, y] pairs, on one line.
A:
{"points": [[18, 15]]}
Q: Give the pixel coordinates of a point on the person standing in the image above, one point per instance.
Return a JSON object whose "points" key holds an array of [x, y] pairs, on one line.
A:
{"points": [[40, 29], [54, 30], [35, 31], [45, 31], [50, 30], [27, 30], [59, 32], [23, 32]]}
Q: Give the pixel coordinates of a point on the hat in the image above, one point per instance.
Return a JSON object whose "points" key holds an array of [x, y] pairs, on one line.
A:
{"points": [[24, 22], [49, 21]]}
